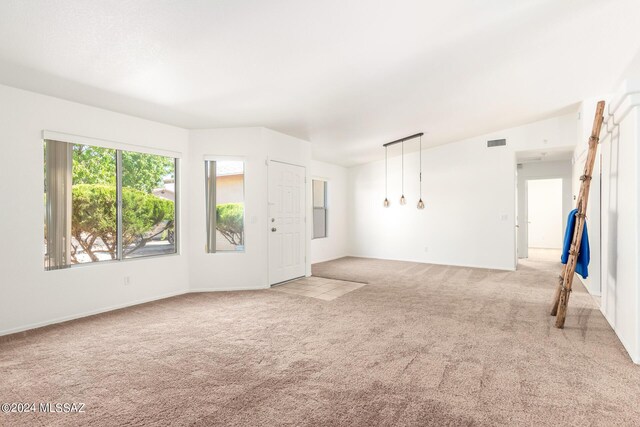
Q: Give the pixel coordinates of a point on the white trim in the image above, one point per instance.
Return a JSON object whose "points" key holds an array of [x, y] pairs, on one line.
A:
{"points": [[126, 305], [593, 294], [419, 261], [89, 313], [626, 103], [85, 140], [243, 160], [629, 87], [230, 289], [332, 258], [635, 358], [289, 163], [212, 157]]}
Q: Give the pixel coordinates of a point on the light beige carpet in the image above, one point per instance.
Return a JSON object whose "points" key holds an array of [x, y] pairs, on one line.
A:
{"points": [[419, 345]]}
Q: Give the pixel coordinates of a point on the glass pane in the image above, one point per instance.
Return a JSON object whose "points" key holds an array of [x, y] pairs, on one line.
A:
{"points": [[319, 188], [148, 204], [319, 223], [229, 205], [319, 209], [93, 204]]}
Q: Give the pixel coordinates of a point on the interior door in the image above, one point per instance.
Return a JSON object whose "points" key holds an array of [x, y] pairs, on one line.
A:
{"points": [[544, 213], [287, 238]]}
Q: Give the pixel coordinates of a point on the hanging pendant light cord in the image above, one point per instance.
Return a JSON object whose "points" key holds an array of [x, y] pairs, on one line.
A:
{"points": [[403, 168], [385, 172], [421, 168]]}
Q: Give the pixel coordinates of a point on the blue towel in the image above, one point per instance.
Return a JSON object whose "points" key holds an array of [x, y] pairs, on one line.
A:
{"points": [[583, 256]]}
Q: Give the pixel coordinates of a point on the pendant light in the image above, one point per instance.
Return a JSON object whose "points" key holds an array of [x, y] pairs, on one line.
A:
{"points": [[386, 201], [420, 202], [403, 201]]}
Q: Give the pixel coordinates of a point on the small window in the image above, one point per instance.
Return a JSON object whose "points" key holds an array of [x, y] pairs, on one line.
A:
{"points": [[84, 187], [224, 187], [319, 209]]}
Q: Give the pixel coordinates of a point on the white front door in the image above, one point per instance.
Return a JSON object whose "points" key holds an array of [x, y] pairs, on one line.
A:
{"points": [[287, 238]]}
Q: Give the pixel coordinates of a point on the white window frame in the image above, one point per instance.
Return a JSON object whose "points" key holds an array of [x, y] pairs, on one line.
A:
{"points": [[119, 147], [222, 158], [325, 208]]}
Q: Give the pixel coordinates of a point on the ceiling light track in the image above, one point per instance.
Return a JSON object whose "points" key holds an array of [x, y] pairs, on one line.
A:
{"points": [[406, 138]]}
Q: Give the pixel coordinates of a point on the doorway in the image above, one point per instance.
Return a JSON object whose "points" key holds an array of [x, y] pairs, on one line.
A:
{"points": [[287, 222], [544, 218]]}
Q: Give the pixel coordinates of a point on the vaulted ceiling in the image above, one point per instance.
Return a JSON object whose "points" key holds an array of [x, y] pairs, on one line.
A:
{"points": [[345, 75]]}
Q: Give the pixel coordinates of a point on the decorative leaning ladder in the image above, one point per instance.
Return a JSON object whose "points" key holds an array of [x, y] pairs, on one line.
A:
{"points": [[561, 296]]}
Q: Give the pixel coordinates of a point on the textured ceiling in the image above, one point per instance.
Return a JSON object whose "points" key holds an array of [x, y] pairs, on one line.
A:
{"points": [[345, 75]]}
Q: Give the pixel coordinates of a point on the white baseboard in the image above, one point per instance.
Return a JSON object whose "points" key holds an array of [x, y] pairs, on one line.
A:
{"points": [[119, 306], [243, 288], [421, 261], [328, 259], [635, 358], [88, 313], [584, 283]]}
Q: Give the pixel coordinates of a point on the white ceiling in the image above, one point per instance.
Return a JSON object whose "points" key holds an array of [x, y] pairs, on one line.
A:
{"points": [[346, 75]]}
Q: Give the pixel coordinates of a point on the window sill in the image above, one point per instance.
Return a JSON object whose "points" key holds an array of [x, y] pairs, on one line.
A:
{"points": [[112, 262]]}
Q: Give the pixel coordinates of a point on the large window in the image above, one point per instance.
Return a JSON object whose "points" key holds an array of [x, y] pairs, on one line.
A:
{"points": [[224, 186], [103, 204], [319, 209]]}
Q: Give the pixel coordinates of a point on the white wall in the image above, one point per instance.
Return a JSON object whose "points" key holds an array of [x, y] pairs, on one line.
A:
{"points": [[542, 170], [620, 216], [33, 297], [335, 245], [247, 270], [469, 192]]}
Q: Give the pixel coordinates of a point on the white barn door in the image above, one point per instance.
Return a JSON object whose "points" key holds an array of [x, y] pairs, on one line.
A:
{"points": [[287, 241]]}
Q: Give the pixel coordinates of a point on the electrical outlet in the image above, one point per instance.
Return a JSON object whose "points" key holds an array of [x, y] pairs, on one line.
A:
{"points": [[426, 248], [127, 280]]}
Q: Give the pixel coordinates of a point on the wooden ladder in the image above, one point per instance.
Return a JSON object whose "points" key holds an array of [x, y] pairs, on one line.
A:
{"points": [[561, 296]]}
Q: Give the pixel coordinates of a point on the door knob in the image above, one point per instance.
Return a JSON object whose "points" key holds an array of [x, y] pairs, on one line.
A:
{"points": [[273, 229]]}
